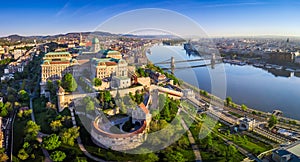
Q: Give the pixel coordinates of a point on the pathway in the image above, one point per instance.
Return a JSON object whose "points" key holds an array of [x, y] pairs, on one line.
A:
{"points": [[81, 146], [192, 140], [40, 135]]}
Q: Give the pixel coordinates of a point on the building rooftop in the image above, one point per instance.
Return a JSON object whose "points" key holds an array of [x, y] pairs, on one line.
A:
{"points": [[144, 108], [295, 149], [121, 77], [106, 61], [291, 152], [57, 53], [112, 52]]}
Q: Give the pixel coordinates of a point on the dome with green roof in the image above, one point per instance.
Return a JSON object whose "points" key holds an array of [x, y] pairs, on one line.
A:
{"points": [[95, 40]]}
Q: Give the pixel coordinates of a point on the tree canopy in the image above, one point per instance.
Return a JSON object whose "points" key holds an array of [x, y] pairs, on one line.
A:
{"points": [[228, 101], [23, 96], [97, 82], [272, 121], [51, 142], [56, 125], [69, 135], [69, 82], [58, 156], [31, 130], [244, 107], [3, 156]]}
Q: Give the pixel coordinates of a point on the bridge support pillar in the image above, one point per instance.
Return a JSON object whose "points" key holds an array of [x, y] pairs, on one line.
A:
{"points": [[172, 65], [213, 60]]}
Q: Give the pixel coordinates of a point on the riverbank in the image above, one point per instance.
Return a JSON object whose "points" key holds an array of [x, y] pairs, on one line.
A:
{"points": [[260, 88], [249, 110]]}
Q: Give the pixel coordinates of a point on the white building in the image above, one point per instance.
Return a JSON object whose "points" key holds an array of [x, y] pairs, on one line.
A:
{"points": [[188, 93], [246, 123], [120, 82], [18, 53]]}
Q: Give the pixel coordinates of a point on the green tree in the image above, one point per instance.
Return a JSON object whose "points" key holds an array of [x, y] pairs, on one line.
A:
{"points": [[166, 111], [51, 142], [58, 156], [69, 82], [161, 101], [138, 97], [23, 96], [88, 104], [244, 107], [31, 130], [90, 107], [231, 153], [51, 87], [228, 101], [80, 159], [23, 154], [156, 115], [55, 125], [27, 113], [3, 156], [97, 82], [175, 156], [69, 135], [209, 141], [3, 109], [272, 121], [107, 96], [141, 72], [150, 157], [183, 142]]}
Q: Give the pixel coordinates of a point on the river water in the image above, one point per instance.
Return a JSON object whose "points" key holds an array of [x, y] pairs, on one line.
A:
{"points": [[257, 88]]}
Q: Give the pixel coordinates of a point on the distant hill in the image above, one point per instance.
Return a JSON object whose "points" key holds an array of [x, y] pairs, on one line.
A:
{"points": [[16, 38]]}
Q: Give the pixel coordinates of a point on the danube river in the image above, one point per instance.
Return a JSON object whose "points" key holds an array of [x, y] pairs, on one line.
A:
{"points": [[257, 88]]}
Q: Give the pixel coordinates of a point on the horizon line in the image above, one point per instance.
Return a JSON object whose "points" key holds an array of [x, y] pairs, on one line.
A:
{"points": [[209, 36]]}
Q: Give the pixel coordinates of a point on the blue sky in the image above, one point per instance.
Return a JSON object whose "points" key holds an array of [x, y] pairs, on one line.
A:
{"points": [[217, 18]]}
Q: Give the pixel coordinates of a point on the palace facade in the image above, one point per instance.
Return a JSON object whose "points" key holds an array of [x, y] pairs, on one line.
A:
{"points": [[55, 65], [107, 67]]}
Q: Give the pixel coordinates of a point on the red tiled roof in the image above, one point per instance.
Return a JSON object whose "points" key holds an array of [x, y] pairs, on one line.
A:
{"points": [[144, 108], [83, 61], [60, 62], [110, 63]]}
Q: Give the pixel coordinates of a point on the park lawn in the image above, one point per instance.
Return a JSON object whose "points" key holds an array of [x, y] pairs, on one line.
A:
{"points": [[235, 114], [251, 146], [209, 157]]}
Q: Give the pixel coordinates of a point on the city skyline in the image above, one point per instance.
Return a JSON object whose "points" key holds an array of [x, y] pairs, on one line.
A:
{"points": [[216, 18]]}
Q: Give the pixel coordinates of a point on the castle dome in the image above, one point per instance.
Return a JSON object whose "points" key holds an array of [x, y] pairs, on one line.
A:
{"points": [[95, 40]]}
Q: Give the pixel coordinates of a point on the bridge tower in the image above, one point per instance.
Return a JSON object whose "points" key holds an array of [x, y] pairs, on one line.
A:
{"points": [[213, 60], [172, 65]]}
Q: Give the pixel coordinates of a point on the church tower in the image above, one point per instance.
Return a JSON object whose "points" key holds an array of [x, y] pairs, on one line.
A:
{"points": [[60, 98], [95, 45]]}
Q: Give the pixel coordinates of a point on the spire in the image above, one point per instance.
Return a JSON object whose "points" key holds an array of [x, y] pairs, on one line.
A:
{"points": [[61, 90]]}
